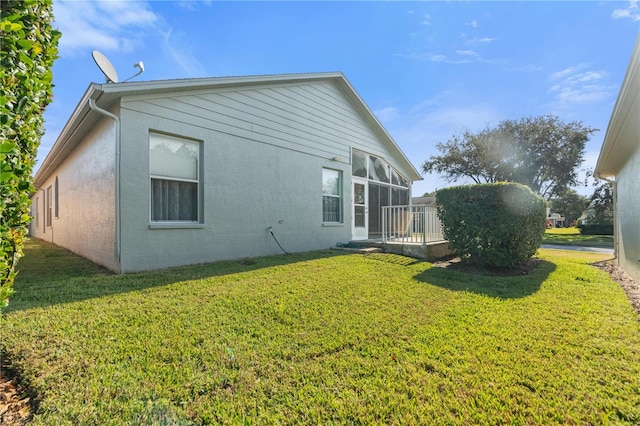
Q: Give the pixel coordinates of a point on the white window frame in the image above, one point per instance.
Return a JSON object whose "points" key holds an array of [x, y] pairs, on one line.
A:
{"points": [[48, 213], [176, 223], [36, 213], [56, 197], [339, 197]]}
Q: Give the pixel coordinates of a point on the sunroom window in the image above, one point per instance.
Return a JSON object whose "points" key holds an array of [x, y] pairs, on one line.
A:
{"points": [[175, 178]]}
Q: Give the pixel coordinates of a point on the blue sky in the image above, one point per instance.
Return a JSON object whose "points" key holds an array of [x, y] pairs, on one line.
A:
{"points": [[428, 70]]}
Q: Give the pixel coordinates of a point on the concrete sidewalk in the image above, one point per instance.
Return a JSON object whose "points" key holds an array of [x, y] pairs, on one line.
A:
{"points": [[578, 248]]}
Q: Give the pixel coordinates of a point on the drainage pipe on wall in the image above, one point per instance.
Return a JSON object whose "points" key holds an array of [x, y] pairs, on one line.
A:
{"points": [[116, 119]]}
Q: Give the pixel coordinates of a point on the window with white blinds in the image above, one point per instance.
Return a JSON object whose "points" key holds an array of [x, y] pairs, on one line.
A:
{"points": [[175, 178]]}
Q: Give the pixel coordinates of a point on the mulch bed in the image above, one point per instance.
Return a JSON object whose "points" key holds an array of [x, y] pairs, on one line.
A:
{"points": [[456, 264], [15, 403], [631, 287]]}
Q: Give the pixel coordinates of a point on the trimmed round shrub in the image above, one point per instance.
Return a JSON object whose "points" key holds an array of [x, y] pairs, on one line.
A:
{"points": [[492, 225]]}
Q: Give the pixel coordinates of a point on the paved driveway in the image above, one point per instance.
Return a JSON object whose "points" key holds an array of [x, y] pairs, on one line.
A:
{"points": [[578, 248]]}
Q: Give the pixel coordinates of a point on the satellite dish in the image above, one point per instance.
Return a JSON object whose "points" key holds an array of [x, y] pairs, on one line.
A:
{"points": [[140, 67], [105, 66]]}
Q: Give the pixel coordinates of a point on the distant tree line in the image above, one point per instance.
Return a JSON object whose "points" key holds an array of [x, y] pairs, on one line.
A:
{"points": [[543, 153]]}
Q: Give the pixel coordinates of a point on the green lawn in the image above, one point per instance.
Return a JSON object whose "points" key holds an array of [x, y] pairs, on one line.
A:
{"points": [[324, 338], [572, 237]]}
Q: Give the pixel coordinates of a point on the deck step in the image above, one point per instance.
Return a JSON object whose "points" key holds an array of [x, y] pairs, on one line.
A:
{"points": [[430, 251], [356, 248]]}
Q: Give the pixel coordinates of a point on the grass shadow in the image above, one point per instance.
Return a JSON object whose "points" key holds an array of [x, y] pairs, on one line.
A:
{"points": [[502, 287], [50, 275], [395, 259]]}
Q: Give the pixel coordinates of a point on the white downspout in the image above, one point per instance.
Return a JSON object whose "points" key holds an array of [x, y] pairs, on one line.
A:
{"points": [[616, 225], [116, 119]]}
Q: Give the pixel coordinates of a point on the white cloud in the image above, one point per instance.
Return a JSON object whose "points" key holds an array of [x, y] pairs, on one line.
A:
{"points": [[527, 67], [426, 123], [126, 13], [427, 19], [418, 131], [435, 57], [182, 54], [565, 72], [589, 76], [582, 95], [452, 120], [123, 26], [578, 85], [473, 24], [632, 11], [110, 26], [387, 114], [193, 5], [458, 57], [481, 40]]}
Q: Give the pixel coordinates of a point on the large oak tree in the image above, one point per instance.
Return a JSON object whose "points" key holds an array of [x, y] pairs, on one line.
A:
{"points": [[542, 152]]}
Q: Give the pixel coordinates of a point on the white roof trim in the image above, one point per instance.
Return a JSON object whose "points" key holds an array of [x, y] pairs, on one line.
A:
{"points": [[615, 148], [107, 94]]}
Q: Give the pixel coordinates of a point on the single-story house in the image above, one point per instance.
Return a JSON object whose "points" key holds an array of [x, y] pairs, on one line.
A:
{"points": [[554, 220], [154, 174], [619, 162]]}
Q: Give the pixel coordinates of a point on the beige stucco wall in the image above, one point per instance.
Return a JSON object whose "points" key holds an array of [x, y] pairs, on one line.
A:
{"points": [[86, 194]]}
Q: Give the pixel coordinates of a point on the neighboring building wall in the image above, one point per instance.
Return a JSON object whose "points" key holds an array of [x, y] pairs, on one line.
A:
{"points": [[264, 151], [85, 223], [628, 212]]}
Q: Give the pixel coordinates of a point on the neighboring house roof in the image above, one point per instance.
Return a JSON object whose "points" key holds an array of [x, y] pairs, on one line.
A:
{"points": [[106, 96], [623, 132], [423, 201]]}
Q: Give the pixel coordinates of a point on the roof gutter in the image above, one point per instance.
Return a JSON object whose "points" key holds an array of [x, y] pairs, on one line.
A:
{"points": [[616, 226], [116, 119]]}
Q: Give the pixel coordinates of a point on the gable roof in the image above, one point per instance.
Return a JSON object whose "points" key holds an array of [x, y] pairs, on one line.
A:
{"points": [[106, 96], [623, 132]]}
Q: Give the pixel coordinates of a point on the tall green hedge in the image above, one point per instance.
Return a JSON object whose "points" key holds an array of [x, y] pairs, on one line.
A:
{"points": [[28, 48], [596, 229], [494, 225]]}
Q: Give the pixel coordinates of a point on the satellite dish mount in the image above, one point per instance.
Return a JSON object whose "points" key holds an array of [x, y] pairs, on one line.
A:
{"points": [[109, 71]]}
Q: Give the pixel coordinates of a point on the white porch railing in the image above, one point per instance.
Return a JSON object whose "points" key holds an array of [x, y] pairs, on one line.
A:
{"points": [[411, 224]]}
